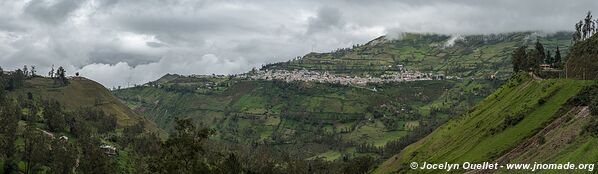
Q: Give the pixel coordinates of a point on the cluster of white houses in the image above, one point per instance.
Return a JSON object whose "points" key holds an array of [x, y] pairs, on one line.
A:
{"points": [[325, 77]]}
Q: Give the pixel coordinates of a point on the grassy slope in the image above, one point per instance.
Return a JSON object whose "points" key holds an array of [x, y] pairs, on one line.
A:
{"points": [[82, 92], [469, 138]]}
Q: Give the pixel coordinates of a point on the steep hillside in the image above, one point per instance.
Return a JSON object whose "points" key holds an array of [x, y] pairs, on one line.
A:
{"points": [[525, 120], [62, 126], [476, 56], [79, 93], [327, 120]]}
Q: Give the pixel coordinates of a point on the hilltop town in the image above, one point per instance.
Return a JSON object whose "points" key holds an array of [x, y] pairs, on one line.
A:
{"points": [[326, 77]]}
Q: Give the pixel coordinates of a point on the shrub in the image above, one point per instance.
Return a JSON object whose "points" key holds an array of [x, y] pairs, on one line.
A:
{"points": [[594, 107], [592, 127], [542, 140], [585, 95]]}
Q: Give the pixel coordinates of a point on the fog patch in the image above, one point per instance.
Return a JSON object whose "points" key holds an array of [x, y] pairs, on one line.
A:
{"points": [[451, 41], [394, 34]]}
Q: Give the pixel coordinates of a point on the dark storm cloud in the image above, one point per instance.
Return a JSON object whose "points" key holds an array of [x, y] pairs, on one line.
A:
{"points": [[154, 44], [327, 18], [119, 42], [110, 55], [10, 24], [51, 12]]}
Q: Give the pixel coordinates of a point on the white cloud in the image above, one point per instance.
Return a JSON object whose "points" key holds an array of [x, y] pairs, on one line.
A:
{"points": [[451, 41], [122, 74]]}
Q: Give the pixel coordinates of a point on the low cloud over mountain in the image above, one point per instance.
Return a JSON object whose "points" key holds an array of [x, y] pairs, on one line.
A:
{"points": [[120, 42]]}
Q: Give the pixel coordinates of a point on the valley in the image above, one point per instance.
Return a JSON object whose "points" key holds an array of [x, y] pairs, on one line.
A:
{"points": [[324, 120], [298, 87]]}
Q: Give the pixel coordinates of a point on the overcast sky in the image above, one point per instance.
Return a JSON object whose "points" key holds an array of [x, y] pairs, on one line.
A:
{"points": [[120, 42]]}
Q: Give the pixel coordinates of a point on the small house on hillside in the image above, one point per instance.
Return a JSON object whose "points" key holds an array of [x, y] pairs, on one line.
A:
{"points": [[109, 150], [63, 138]]}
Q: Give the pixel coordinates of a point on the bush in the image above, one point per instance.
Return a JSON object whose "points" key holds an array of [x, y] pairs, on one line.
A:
{"points": [[508, 121], [542, 140], [512, 120], [594, 107], [592, 127], [585, 96]]}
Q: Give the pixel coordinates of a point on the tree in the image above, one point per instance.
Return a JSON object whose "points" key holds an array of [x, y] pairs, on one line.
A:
{"points": [[93, 160], [588, 26], [537, 57], [2, 85], [36, 148], [33, 71], [541, 56], [548, 59], [183, 150], [359, 165], [54, 116], [61, 75], [232, 165], [25, 71], [63, 157], [8, 124], [51, 73], [578, 36], [16, 80], [593, 106], [557, 57], [532, 62], [519, 59]]}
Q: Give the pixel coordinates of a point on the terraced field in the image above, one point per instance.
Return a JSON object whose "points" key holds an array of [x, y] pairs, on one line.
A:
{"points": [[322, 119], [478, 56]]}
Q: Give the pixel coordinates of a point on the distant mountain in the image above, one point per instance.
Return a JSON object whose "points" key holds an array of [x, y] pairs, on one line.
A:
{"points": [[476, 56]]}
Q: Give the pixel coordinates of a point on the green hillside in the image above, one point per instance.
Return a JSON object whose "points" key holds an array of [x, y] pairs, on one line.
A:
{"points": [[332, 121], [80, 93], [324, 120], [502, 127], [465, 56], [55, 125]]}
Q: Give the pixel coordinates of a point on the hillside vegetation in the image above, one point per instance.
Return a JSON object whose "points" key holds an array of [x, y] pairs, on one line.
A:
{"points": [[507, 127], [320, 120], [60, 125], [82, 93], [583, 60], [478, 56], [334, 122]]}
